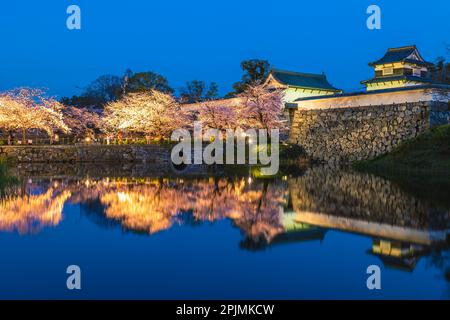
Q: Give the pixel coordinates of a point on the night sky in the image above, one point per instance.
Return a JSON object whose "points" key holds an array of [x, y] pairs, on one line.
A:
{"points": [[206, 40]]}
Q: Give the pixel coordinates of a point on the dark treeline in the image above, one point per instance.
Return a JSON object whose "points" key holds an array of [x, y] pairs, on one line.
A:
{"points": [[109, 87], [440, 71]]}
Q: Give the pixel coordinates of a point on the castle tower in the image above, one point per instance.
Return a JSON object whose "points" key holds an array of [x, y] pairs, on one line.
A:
{"points": [[399, 67]]}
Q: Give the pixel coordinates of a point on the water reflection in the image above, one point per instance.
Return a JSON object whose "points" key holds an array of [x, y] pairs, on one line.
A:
{"points": [[153, 205], [268, 212], [402, 226], [29, 213]]}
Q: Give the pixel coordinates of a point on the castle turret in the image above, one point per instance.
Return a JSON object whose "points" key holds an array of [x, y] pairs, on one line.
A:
{"points": [[399, 67]]}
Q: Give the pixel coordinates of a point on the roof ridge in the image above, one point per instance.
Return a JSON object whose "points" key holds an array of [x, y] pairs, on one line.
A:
{"points": [[402, 48], [318, 75], [400, 54]]}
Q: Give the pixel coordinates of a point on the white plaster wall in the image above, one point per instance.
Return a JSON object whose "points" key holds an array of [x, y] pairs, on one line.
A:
{"points": [[372, 99], [292, 94], [390, 85]]}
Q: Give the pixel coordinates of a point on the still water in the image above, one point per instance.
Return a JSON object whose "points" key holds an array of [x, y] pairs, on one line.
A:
{"points": [[198, 232]]}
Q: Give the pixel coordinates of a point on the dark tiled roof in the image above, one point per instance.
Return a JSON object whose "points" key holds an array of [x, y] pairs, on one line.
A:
{"points": [[418, 62], [303, 80], [400, 55], [397, 78]]}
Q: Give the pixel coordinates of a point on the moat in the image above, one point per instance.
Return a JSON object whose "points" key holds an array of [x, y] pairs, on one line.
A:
{"points": [[162, 232]]}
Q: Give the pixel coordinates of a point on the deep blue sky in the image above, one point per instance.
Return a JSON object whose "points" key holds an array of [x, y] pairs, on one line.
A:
{"points": [[206, 40]]}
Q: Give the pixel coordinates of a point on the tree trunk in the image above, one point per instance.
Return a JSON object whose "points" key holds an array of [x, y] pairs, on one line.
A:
{"points": [[10, 137], [24, 133]]}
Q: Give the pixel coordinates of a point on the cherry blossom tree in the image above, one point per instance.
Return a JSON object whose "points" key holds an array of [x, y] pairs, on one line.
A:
{"points": [[25, 108], [261, 108], [154, 113], [80, 121], [256, 108], [218, 116]]}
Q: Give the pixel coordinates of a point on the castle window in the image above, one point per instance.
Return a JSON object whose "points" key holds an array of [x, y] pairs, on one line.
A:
{"points": [[388, 71], [416, 73]]}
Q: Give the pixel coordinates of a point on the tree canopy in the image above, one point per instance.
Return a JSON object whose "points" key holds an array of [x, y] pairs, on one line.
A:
{"points": [[154, 113], [25, 108], [145, 81], [255, 71], [197, 91], [440, 71], [107, 88], [100, 91]]}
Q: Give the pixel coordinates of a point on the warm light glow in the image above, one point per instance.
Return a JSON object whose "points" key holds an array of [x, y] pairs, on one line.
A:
{"points": [[30, 213], [123, 197], [24, 109], [80, 121], [154, 113], [255, 108], [153, 205]]}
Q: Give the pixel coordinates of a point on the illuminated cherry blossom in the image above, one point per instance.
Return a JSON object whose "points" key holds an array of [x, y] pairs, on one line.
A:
{"points": [[217, 116], [154, 113], [25, 108], [81, 121], [261, 108]]}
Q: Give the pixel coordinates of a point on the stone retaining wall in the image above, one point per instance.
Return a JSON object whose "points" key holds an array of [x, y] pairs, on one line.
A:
{"points": [[88, 153], [342, 135]]}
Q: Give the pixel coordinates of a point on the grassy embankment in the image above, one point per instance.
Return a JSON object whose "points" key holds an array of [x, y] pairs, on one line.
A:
{"points": [[427, 153]]}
